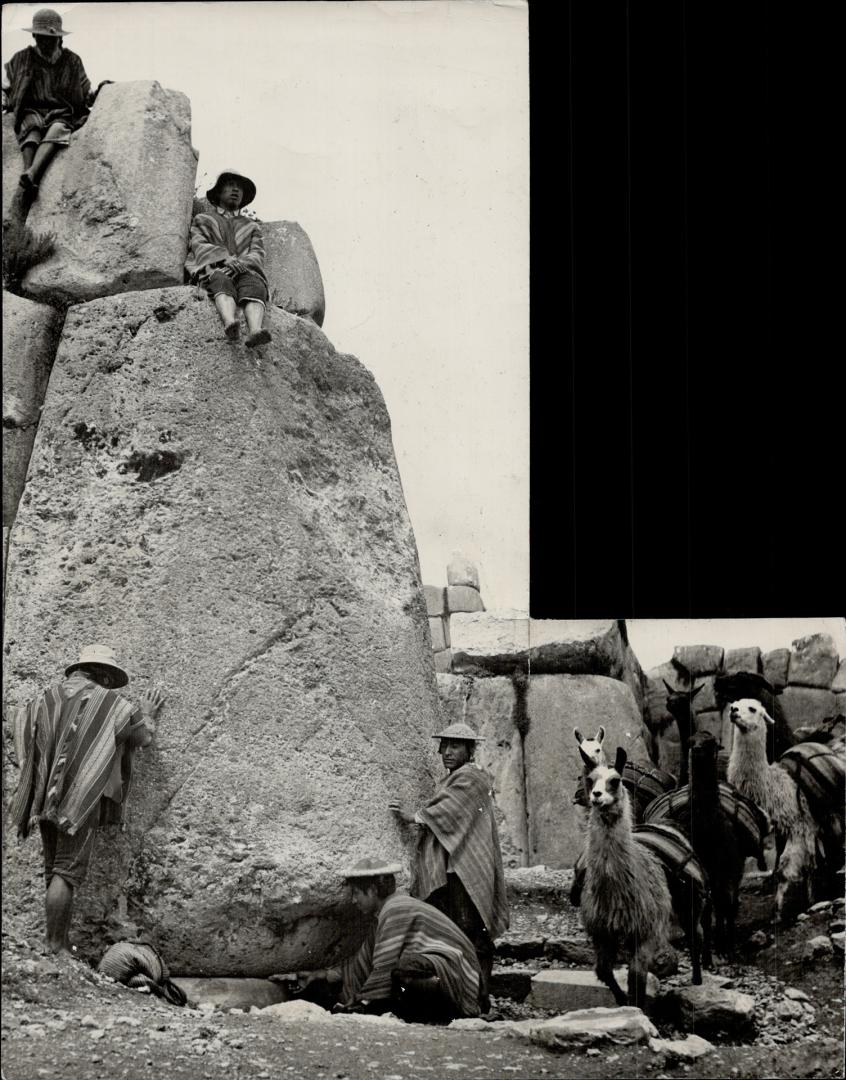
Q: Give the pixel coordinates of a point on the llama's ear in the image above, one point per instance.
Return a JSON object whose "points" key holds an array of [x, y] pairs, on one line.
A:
{"points": [[579, 737], [767, 717], [590, 764], [670, 690], [600, 735], [620, 760], [696, 690]]}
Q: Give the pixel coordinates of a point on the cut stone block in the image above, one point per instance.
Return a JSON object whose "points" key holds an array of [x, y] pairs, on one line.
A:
{"points": [[706, 699], [435, 597], [709, 1010], [698, 659], [453, 691], [460, 571], [30, 337], [118, 198], [813, 661], [805, 706], [12, 164], [232, 993], [443, 660], [583, 1028], [774, 667], [440, 634], [463, 598], [491, 709], [504, 642], [566, 990], [511, 982], [555, 705], [748, 659], [682, 1051], [293, 275], [290, 638], [838, 686]]}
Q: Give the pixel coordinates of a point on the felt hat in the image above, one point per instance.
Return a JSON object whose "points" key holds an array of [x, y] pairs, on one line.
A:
{"points": [[459, 731], [249, 187], [103, 656], [46, 22], [372, 868]]}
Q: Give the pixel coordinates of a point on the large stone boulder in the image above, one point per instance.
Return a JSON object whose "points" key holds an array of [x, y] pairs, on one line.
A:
{"points": [[118, 198], [774, 665], [236, 529], [555, 705], [30, 336], [12, 164], [813, 661], [807, 706], [698, 659], [293, 275]]}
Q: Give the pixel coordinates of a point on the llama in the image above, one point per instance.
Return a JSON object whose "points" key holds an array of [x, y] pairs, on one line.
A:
{"points": [[643, 782], [680, 707], [625, 901], [776, 792], [714, 836]]}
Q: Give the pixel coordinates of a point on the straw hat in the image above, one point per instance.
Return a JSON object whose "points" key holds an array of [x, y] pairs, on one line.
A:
{"points": [[102, 655], [249, 187], [46, 22], [372, 868], [459, 731]]}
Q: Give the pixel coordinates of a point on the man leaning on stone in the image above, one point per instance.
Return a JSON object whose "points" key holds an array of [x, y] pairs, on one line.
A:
{"points": [[48, 93], [74, 744], [226, 257]]}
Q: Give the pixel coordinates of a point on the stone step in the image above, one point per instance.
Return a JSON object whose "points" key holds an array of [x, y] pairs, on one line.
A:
{"points": [[564, 990], [512, 982]]}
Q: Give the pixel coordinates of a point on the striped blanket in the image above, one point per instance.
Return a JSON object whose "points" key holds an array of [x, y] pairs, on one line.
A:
{"points": [[408, 924], [819, 770], [139, 964], [67, 741], [461, 835], [214, 237]]}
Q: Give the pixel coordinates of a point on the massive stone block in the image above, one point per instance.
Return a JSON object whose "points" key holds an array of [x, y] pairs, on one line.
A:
{"points": [[460, 571], [119, 198], [806, 706], [698, 659], [774, 667], [489, 706], [463, 598], [293, 275], [30, 335], [813, 661], [748, 659], [236, 529], [12, 164], [555, 705]]}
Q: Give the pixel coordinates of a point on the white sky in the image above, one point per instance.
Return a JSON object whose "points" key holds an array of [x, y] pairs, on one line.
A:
{"points": [[396, 134]]}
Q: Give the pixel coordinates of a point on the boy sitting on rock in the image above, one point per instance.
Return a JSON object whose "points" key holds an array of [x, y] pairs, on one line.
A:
{"points": [[226, 257]]}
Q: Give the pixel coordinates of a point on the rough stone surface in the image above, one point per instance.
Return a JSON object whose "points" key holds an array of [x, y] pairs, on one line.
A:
{"points": [[698, 659], [555, 705], [30, 336], [291, 1011], [489, 707], [710, 1009], [564, 990], [443, 660], [293, 274], [269, 583], [622, 1025], [774, 667], [231, 993], [504, 642], [748, 659], [460, 571], [712, 722], [838, 685], [706, 698], [813, 661], [440, 634], [805, 706], [12, 164], [435, 598], [119, 198], [511, 982], [463, 598], [682, 1051]]}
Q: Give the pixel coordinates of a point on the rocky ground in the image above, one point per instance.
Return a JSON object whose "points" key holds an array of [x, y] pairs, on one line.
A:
{"points": [[60, 1019]]}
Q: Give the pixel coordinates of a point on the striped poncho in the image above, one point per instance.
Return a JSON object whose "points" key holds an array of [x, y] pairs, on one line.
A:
{"points": [[57, 90], [216, 236], [461, 835], [408, 924], [70, 740]]}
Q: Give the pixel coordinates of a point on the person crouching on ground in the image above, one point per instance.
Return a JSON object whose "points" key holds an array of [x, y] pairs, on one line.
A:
{"points": [[414, 961], [459, 861], [226, 257], [47, 91], [74, 743]]}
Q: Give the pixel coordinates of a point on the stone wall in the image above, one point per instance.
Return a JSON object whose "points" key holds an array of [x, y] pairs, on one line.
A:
{"points": [[809, 680]]}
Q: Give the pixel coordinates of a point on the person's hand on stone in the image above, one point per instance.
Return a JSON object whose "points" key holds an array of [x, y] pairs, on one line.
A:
{"points": [[306, 978], [150, 702], [402, 811]]}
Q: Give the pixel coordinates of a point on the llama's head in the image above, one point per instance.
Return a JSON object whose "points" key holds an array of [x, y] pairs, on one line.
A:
{"points": [[750, 718], [680, 702], [702, 753], [591, 749], [606, 793]]}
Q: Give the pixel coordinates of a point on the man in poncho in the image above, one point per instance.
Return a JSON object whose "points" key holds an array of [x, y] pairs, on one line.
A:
{"points": [[226, 257], [48, 93], [74, 744], [413, 961], [459, 862]]}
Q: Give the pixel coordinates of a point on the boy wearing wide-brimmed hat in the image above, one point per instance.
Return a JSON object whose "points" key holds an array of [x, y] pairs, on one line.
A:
{"points": [[47, 91], [226, 257], [74, 744]]}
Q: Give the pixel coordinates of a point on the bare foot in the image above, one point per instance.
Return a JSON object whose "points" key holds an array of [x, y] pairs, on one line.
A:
{"points": [[260, 337]]}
